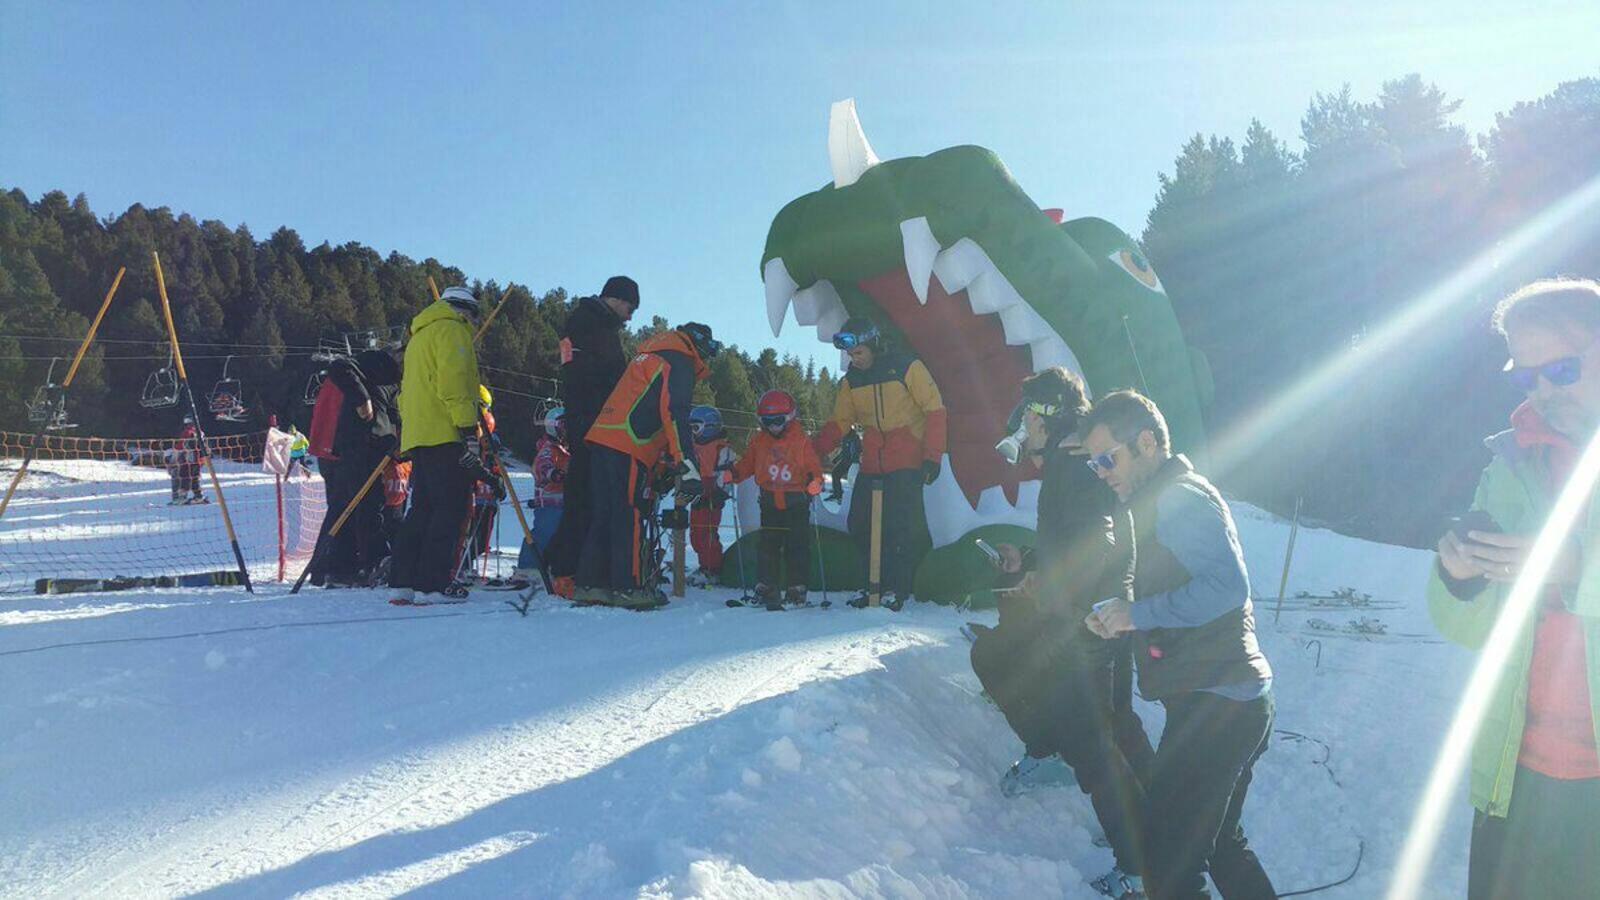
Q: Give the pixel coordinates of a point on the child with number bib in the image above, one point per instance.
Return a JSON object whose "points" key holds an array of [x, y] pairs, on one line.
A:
{"points": [[786, 468]]}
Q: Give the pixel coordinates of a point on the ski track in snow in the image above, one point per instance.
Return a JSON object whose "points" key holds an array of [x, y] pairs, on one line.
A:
{"points": [[694, 751]]}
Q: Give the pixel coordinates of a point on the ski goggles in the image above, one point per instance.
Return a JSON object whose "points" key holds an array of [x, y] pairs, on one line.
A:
{"points": [[775, 421], [846, 340], [1105, 462], [1559, 372], [697, 427], [1041, 409]]}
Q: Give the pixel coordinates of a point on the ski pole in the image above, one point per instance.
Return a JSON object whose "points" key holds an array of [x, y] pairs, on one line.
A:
{"points": [[738, 554], [822, 567]]}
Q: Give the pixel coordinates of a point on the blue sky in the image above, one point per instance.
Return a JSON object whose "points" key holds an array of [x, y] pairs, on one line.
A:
{"points": [[559, 144]]}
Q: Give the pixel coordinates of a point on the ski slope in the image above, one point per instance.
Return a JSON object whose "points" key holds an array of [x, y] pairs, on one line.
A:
{"points": [[165, 743]]}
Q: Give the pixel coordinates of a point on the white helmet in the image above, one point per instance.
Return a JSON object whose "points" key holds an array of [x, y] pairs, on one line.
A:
{"points": [[461, 298]]}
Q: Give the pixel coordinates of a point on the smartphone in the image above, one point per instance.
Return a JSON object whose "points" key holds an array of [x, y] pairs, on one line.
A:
{"points": [[992, 553], [1476, 520]]}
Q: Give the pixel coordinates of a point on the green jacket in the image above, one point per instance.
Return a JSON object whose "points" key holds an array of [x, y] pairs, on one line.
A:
{"points": [[439, 389], [1512, 490]]}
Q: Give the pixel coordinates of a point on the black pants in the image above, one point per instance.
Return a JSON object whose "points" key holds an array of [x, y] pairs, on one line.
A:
{"points": [[612, 552], [785, 541], [1196, 794], [905, 528], [1547, 846], [565, 548], [1077, 705], [429, 542], [342, 557]]}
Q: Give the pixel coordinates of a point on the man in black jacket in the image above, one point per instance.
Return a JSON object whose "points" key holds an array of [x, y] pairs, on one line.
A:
{"points": [[1193, 629], [591, 365], [356, 423], [1066, 692]]}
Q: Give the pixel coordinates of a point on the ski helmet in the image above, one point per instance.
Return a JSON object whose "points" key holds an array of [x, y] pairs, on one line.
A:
{"points": [[555, 423], [484, 397], [700, 336], [462, 299], [776, 410], [856, 331], [705, 423]]}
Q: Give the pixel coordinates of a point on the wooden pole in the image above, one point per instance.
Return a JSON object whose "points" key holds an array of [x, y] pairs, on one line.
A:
{"points": [[199, 430], [679, 558], [505, 297], [27, 455]]}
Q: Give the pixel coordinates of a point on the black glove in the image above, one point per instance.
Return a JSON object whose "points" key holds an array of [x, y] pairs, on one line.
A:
{"points": [[469, 459], [930, 471], [499, 486]]}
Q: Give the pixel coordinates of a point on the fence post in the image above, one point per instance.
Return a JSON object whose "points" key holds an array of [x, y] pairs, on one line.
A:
{"points": [[1288, 555]]}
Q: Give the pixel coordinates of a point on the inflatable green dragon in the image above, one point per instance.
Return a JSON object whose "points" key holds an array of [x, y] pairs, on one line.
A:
{"points": [[954, 261]]}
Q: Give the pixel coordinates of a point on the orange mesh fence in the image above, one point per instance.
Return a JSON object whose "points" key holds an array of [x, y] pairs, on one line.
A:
{"points": [[103, 508]]}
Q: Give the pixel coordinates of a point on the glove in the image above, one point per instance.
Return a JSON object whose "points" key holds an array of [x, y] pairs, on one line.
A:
{"points": [[469, 459], [689, 486], [930, 471], [499, 487]]}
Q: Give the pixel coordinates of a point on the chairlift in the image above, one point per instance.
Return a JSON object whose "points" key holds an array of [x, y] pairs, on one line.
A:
{"points": [[162, 389], [227, 397], [49, 404]]}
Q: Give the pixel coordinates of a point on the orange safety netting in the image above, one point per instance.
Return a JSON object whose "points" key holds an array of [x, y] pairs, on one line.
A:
{"points": [[103, 508]]}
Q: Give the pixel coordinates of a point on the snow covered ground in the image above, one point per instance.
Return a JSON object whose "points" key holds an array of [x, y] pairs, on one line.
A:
{"points": [[157, 743]]}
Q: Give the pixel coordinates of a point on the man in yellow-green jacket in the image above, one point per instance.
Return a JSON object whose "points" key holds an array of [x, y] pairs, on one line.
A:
{"points": [[1535, 779], [438, 430]]}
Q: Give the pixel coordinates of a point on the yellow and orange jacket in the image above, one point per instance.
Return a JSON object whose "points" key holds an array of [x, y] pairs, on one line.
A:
{"points": [[647, 414], [900, 411], [782, 465]]}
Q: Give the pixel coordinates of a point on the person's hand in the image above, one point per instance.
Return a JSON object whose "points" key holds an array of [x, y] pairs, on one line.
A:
{"points": [[365, 411], [930, 471], [1111, 618], [1500, 557], [1010, 557], [1456, 560], [689, 486], [499, 486]]}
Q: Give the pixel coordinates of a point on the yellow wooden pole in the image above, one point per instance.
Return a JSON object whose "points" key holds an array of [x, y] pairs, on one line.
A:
{"points": [[27, 455], [505, 296], [200, 434]]}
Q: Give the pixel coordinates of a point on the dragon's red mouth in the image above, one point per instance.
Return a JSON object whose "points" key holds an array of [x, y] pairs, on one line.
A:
{"points": [[978, 373]]}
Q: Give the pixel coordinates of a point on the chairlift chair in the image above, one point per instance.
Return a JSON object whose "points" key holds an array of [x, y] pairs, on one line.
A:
{"points": [[161, 388], [313, 387], [227, 397], [49, 404]]}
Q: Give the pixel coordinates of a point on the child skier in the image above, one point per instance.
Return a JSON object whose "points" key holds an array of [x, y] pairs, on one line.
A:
{"points": [[487, 493], [715, 459], [786, 468], [549, 492], [183, 466]]}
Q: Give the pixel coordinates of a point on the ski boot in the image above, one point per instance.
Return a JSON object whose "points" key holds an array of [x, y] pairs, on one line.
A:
{"points": [[897, 603], [766, 595], [402, 596], [859, 601], [1119, 885], [795, 596], [701, 578], [565, 587], [1032, 772], [457, 591]]}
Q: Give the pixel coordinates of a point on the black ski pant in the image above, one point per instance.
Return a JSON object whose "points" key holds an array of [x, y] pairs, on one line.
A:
{"points": [[611, 556], [1546, 846], [1196, 795], [429, 542], [343, 556], [905, 528], [785, 541], [1063, 700], [566, 547]]}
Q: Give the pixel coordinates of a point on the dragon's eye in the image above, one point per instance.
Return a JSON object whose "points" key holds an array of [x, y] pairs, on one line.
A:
{"points": [[1134, 263]]}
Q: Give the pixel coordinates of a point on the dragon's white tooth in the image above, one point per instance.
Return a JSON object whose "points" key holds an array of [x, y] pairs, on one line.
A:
{"points": [[780, 290], [1023, 325], [816, 301], [992, 293], [830, 320], [848, 151], [957, 265], [922, 248], [1053, 351]]}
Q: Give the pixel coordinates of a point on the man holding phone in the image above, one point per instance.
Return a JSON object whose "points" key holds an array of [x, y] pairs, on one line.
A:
{"points": [[1535, 772]]}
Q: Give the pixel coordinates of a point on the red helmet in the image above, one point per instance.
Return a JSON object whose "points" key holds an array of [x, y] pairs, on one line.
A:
{"points": [[776, 409]]}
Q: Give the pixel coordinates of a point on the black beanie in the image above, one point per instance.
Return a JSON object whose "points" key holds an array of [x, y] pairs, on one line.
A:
{"points": [[622, 288]]}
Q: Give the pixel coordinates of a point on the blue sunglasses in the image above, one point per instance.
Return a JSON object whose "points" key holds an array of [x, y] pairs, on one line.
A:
{"points": [[1106, 461], [1559, 372], [846, 340]]}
